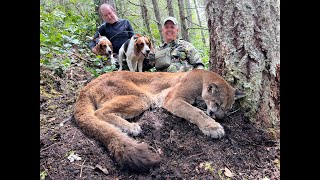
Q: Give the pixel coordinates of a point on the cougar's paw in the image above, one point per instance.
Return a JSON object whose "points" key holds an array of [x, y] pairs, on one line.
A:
{"points": [[214, 130], [134, 129]]}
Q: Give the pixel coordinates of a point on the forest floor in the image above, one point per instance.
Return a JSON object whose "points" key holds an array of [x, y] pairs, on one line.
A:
{"points": [[245, 152]]}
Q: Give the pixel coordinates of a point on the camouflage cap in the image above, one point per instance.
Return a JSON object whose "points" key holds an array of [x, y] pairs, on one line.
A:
{"points": [[170, 18]]}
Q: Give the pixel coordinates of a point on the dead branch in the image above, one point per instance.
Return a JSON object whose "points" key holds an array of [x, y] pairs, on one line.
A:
{"points": [[78, 56], [65, 120], [86, 166], [171, 133], [48, 147], [194, 155], [228, 114], [46, 171], [81, 168]]}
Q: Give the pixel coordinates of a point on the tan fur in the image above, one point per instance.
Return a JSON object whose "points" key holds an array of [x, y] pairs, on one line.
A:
{"points": [[105, 103]]}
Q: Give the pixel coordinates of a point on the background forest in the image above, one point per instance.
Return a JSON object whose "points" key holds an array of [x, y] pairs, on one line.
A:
{"points": [[66, 27]]}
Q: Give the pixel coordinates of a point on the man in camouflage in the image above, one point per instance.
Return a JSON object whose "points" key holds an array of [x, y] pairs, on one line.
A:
{"points": [[175, 55]]}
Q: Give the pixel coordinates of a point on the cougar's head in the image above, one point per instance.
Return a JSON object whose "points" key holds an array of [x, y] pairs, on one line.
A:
{"points": [[219, 98]]}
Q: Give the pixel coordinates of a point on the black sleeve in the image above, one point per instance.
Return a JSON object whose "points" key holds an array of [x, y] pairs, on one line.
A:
{"points": [[130, 29], [92, 43], [101, 31]]}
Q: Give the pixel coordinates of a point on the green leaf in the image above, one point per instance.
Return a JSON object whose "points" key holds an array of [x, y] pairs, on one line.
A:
{"points": [[43, 175], [75, 41], [67, 45], [42, 51]]}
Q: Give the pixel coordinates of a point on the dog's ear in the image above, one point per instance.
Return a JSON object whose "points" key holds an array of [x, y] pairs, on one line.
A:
{"points": [[136, 36], [150, 44], [110, 45]]}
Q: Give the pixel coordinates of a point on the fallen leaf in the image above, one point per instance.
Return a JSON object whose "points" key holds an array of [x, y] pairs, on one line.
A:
{"points": [[227, 172], [73, 157], [277, 162], [201, 165]]}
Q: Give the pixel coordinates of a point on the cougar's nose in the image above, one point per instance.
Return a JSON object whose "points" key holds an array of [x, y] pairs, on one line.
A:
{"points": [[211, 114]]}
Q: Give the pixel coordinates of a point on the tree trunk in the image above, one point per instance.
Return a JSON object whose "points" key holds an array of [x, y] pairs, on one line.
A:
{"points": [[184, 32], [158, 18], [189, 18], [144, 12], [245, 49], [170, 9]]}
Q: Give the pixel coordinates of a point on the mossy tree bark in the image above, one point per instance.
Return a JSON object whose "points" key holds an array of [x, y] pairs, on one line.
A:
{"points": [[145, 17], [245, 49], [170, 8]]}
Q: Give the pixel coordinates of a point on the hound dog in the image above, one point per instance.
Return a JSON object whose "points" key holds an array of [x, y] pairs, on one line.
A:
{"points": [[104, 47], [134, 51]]}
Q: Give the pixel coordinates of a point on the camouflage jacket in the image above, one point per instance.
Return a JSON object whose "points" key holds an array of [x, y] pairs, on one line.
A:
{"points": [[183, 54]]}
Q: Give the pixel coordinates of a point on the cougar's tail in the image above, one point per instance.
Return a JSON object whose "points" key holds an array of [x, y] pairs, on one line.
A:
{"points": [[128, 153]]}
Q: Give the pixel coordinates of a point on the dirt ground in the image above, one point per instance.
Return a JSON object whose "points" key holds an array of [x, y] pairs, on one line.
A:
{"points": [[244, 153]]}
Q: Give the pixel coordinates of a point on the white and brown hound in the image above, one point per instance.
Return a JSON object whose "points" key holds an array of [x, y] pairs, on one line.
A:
{"points": [[104, 47], [134, 51]]}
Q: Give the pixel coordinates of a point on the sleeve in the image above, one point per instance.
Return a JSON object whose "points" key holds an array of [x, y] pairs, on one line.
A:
{"points": [[92, 43], [194, 56], [130, 29]]}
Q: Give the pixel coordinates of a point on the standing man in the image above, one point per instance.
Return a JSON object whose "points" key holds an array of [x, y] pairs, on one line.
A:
{"points": [[175, 55], [117, 30]]}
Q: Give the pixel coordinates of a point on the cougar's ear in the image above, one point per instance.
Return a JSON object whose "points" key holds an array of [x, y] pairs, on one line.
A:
{"points": [[212, 88], [239, 94]]}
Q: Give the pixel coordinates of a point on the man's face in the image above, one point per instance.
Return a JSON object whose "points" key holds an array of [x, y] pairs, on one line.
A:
{"points": [[108, 15], [170, 31]]}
